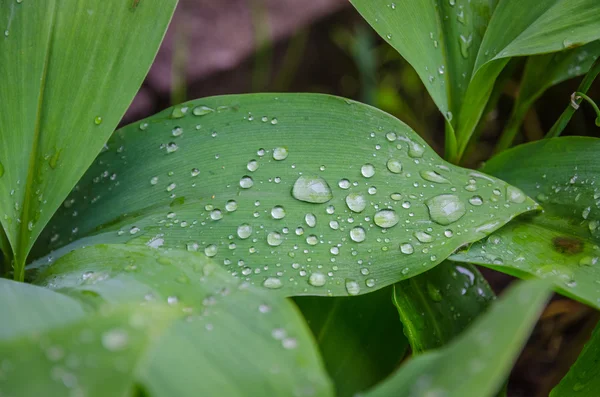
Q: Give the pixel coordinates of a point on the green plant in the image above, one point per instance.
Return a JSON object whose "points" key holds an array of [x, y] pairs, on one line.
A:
{"points": [[131, 256]]}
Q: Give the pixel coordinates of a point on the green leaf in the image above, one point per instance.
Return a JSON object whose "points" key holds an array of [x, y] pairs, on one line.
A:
{"points": [[583, 379], [261, 183], [94, 355], [542, 72], [69, 70], [28, 309], [459, 48], [235, 340], [439, 304], [476, 362], [563, 242], [359, 337]]}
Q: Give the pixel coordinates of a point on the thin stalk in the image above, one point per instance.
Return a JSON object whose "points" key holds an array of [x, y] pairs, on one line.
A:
{"points": [[583, 88], [6, 251], [179, 65], [451, 145]]}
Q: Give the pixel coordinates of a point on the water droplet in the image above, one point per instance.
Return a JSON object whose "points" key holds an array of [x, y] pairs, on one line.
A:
{"points": [[172, 147], [202, 110], [216, 214], [274, 239], [195, 172], [344, 184], [356, 202], [177, 131], [134, 230], [210, 250], [246, 182], [391, 136], [252, 165], [278, 212], [154, 180], [98, 120], [433, 176], [386, 218], [515, 194], [352, 287], [310, 219], [406, 248], [280, 153], [171, 187], [448, 233], [586, 212], [358, 234], [317, 279], [396, 196], [423, 237], [394, 166], [367, 170], [415, 150], [244, 231], [272, 283], [476, 201], [312, 240], [115, 339], [312, 189], [143, 126], [445, 209]]}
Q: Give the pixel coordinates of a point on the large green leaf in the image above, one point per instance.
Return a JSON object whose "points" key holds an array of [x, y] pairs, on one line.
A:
{"points": [[563, 242], [542, 72], [477, 362], [583, 379], [459, 47], [95, 355], [69, 70], [439, 304], [261, 183], [235, 340], [359, 337], [27, 309]]}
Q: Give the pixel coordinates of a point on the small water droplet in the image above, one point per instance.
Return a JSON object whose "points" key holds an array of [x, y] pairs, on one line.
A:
{"points": [[352, 287], [476, 201], [274, 239], [280, 153], [317, 279], [356, 202], [246, 182], [210, 250], [312, 189], [406, 248], [202, 110], [278, 212], [423, 237], [272, 283], [394, 166], [172, 147], [115, 339], [515, 194], [344, 184], [312, 240], [98, 120], [216, 214], [358, 234], [367, 170], [433, 176], [244, 231]]}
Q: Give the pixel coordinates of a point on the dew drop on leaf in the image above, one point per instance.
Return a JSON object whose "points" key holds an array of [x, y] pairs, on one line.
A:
{"points": [[358, 234], [312, 189], [317, 279], [386, 218], [433, 176], [352, 287], [445, 209], [356, 202]]}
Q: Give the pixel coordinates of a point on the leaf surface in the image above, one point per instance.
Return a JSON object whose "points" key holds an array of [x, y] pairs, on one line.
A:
{"points": [[563, 242], [305, 194], [70, 69]]}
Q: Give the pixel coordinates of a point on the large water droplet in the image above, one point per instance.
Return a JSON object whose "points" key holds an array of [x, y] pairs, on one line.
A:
{"points": [[274, 239], [210, 250], [278, 212], [202, 110], [246, 182], [394, 166], [386, 218], [367, 170], [280, 153], [515, 194], [272, 283], [356, 202], [317, 279], [476, 201], [406, 248], [433, 176], [445, 209], [358, 234], [312, 240], [310, 219], [415, 150], [252, 165], [423, 237], [312, 189], [244, 231], [231, 206], [352, 287]]}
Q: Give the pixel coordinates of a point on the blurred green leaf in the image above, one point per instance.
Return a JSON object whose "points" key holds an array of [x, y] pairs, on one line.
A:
{"points": [[69, 71], [583, 379], [27, 309], [261, 184], [233, 340], [563, 242], [439, 304], [459, 48], [476, 362], [542, 72], [359, 337]]}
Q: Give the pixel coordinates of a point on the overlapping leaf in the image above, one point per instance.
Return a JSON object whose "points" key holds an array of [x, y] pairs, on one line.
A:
{"points": [[459, 47], [476, 362], [69, 70], [233, 340], [306, 194], [563, 242], [438, 305]]}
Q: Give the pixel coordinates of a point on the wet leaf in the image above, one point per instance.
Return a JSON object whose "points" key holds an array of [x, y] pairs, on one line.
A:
{"points": [[232, 339], [69, 71], [459, 47], [583, 379], [563, 242], [438, 305], [305, 194], [476, 362]]}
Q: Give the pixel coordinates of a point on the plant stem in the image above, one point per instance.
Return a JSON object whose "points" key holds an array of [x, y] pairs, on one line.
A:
{"points": [[583, 88]]}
